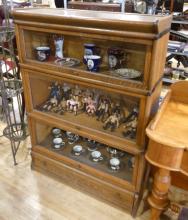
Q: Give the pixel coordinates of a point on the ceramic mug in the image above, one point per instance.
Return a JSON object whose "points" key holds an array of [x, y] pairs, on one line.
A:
{"points": [[89, 49], [115, 57], [58, 143], [42, 53], [114, 163], [92, 62], [96, 156], [77, 150]]}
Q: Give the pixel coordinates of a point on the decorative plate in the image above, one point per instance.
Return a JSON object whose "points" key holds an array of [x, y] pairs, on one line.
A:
{"points": [[67, 61], [127, 73]]}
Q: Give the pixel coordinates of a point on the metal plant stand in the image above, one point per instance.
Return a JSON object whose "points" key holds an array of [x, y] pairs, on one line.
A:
{"points": [[11, 92]]}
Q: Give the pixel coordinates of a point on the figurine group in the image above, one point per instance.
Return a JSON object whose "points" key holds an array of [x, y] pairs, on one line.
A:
{"points": [[111, 112]]}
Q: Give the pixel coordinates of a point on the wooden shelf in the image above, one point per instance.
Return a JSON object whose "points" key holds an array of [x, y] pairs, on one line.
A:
{"points": [[105, 137], [84, 162]]}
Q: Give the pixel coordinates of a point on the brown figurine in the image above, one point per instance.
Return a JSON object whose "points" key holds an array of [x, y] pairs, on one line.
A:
{"points": [[112, 122]]}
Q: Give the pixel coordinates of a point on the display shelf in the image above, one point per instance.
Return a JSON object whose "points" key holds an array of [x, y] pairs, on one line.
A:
{"points": [[124, 173], [130, 62], [94, 124], [124, 176], [136, 58]]}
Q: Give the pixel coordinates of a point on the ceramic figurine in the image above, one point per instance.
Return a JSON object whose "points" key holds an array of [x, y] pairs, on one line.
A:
{"points": [[103, 109], [118, 109], [130, 128], [54, 97], [58, 41], [61, 107], [91, 109], [112, 122], [74, 104], [131, 124], [66, 91], [55, 91], [90, 106], [50, 104], [132, 115], [77, 91]]}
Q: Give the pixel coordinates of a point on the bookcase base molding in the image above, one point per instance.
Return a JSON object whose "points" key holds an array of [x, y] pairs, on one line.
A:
{"points": [[113, 195]]}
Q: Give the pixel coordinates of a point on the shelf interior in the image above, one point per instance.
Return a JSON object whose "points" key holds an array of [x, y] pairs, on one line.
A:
{"points": [[45, 139]]}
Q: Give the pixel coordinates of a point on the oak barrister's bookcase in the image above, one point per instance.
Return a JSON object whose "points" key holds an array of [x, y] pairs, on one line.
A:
{"points": [[143, 39]]}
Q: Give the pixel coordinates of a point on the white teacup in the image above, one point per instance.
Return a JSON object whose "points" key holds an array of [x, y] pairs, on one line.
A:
{"points": [[77, 149], [114, 163], [58, 143], [96, 156], [56, 132], [69, 134]]}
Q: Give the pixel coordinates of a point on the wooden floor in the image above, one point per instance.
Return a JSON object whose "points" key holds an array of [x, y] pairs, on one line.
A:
{"points": [[29, 195]]}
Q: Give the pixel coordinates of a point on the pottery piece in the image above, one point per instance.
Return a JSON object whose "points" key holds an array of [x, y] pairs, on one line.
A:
{"points": [[42, 53], [58, 143], [115, 57], [96, 156], [115, 164], [77, 150], [92, 62]]}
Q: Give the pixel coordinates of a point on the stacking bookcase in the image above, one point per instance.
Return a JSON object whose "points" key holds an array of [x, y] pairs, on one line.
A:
{"points": [[95, 77]]}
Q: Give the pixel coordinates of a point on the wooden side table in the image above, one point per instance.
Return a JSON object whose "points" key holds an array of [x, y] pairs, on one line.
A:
{"points": [[168, 144]]}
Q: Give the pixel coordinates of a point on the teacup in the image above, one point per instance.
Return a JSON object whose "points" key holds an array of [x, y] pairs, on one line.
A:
{"points": [[56, 132], [92, 145], [58, 143], [72, 138], [115, 163], [77, 150], [42, 53], [92, 62], [96, 156]]}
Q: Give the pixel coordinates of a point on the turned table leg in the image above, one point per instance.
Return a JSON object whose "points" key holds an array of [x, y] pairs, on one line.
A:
{"points": [[158, 199]]}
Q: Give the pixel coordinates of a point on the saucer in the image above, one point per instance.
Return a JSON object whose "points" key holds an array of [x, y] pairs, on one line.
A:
{"points": [[68, 62], [127, 73], [114, 168]]}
